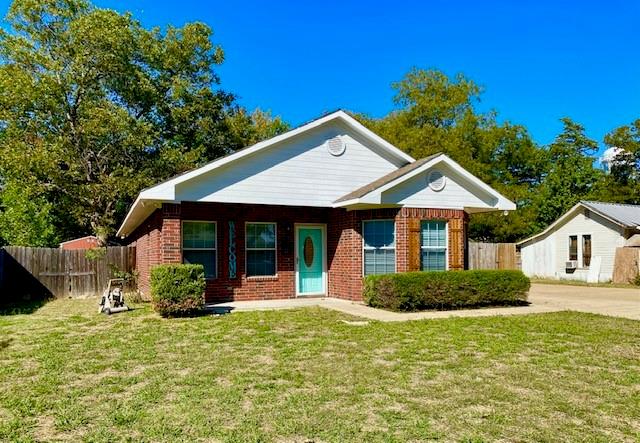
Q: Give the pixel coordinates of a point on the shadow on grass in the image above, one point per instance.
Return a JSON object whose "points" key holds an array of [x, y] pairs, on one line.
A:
{"points": [[22, 307], [4, 343]]}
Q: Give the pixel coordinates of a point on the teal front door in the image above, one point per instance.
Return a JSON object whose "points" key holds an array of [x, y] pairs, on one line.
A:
{"points": [[310, 260]]}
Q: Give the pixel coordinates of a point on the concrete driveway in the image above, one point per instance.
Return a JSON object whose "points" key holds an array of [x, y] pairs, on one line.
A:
{"points": [[544, 298], [617, 302]]}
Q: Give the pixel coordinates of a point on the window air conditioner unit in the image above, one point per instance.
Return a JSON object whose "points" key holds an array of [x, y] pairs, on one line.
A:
{"points": [[572, 264]]}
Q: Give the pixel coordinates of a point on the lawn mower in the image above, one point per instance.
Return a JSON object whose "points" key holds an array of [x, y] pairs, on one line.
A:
{"points": [[113, 298]]}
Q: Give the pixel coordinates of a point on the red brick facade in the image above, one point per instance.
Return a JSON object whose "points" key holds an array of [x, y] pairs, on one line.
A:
{"points": [[158, 240]]}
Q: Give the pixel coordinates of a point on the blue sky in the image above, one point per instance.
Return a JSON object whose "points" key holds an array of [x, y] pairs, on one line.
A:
{"points": [[538, 61]]}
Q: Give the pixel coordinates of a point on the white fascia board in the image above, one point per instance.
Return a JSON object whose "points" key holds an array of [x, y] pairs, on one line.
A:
{"points": [[359, 127], [139, 211], [375, 196], [163, 191], [560, 220], [504, 204]]}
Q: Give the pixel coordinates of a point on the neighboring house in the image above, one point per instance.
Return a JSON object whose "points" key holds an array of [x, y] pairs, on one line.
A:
{"points": [[309, 212], [88, 242], [581, 245]]}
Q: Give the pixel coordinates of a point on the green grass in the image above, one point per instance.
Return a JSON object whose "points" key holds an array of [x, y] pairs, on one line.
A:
{"points": [[548, 281], [69, 374]]}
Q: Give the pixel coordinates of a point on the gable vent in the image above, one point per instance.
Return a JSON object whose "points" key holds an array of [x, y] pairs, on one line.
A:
{"points": [[436, 180], [336, 146]]}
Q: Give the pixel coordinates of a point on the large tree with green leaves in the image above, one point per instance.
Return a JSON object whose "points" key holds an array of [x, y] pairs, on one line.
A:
{"points": [[622, 184], [94, 107], [436, 113], [571, 176]]}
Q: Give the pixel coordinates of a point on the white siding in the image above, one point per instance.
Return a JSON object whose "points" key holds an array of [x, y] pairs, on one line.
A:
{"points": [[546, 256], [416, 193], [299, 172], [539, 257]]}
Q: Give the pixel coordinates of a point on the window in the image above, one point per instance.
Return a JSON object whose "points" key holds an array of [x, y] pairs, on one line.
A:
{"points": [[573, 247], [199, 245], [433, 245], [586, 251], [260, 248], [379, 247]]}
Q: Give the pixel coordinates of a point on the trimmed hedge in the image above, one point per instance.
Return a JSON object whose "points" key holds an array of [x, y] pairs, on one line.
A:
{"points": [[177, 290], [416, 291]]}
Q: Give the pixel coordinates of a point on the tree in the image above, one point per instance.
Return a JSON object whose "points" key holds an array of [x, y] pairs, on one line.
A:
{"points": [[622, 184], [571, 176], [94, 107], [251, 128], [26, 220], [436, 113]]}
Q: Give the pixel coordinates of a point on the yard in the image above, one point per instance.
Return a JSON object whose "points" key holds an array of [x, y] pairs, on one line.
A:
{"points": [[67, 374]]}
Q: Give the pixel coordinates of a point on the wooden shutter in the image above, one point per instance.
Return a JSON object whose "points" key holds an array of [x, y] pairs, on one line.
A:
{"points": [[456, 244], [414, 244]]}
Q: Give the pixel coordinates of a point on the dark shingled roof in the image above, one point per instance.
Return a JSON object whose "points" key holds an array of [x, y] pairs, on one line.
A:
{"points": [[370, 187]]}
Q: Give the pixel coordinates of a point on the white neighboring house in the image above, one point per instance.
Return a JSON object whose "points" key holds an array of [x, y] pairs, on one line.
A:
{"points": [[581, 245]]}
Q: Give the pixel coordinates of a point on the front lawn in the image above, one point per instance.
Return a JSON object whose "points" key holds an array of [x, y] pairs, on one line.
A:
{"points": [[69, 374]]}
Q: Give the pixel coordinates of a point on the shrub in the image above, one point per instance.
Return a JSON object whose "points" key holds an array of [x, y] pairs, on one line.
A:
{"points": [[177, 290], [415, 291]]}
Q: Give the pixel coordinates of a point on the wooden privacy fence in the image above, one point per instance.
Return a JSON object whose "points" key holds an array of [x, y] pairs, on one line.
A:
{"points": [[38, 272], [493, 256], [626, 265]]}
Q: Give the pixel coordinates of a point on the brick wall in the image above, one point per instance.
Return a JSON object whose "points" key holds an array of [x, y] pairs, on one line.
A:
{"points": [[345, 244], [253, 288], [146, 239], [158, 240]]}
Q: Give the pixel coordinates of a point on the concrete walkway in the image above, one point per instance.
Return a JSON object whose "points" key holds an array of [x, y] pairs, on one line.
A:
{"points": [[544, 298]]}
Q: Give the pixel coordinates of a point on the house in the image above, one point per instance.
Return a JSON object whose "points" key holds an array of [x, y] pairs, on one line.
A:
{"points": [[581, 245], [88, 242], [309, 212]]}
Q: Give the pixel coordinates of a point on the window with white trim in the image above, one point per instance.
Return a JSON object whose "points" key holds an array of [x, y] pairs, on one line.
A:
{"points": [[379, 244], [260, 247], [199, 245], [433, 245]]}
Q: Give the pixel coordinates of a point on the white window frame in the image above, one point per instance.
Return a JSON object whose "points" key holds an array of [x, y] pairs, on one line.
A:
{"points": [[215, 248], [446, 242], [246, 248], [395, 239]]}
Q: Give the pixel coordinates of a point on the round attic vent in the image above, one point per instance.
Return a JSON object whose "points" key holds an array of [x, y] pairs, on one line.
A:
{"points": [[336, 146], [436, 180]]}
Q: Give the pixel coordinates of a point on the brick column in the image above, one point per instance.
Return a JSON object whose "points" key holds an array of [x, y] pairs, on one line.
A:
{"points": [[402, 242], [171, 239]]}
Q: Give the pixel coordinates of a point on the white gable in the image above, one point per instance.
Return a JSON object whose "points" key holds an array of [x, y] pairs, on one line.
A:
{"points": [[457, 192], [298, 172], [409, 186]]}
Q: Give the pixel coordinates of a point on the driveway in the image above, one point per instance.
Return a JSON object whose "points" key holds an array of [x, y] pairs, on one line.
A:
{"points": [[544, 298], [617, 302]]}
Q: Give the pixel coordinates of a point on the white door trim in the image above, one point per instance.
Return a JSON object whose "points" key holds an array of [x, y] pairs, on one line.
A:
{"points": [[323, 229]]}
